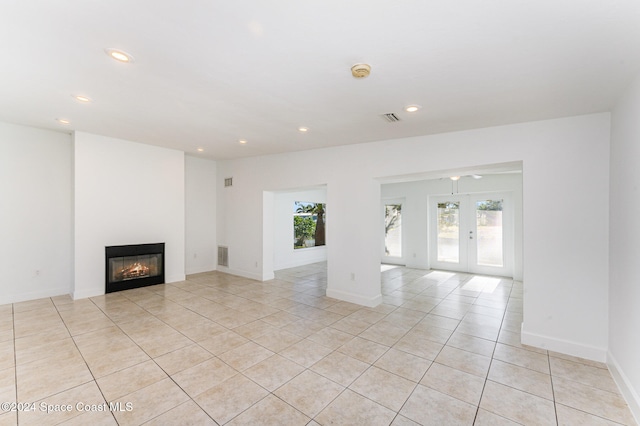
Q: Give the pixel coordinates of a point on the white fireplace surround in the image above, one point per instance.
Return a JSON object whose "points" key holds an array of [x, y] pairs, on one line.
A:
{"points": [[125, 193]]}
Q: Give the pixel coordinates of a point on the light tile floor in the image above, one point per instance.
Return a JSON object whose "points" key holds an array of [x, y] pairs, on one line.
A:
{"points": [[443, 349]]}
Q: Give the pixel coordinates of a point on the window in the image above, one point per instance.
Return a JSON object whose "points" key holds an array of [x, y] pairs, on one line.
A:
{"points": [[489, 233], [393, 230], [448, 232], [308, 224]]}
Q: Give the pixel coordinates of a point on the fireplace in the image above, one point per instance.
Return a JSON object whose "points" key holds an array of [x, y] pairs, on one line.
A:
{"points": [[134, 266]]}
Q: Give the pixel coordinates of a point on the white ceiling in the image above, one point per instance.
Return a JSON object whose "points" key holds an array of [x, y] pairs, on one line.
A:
{"points": [[208, 73]]}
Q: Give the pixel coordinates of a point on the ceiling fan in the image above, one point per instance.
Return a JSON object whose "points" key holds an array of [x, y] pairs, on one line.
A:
{"points": [[454, 178]]}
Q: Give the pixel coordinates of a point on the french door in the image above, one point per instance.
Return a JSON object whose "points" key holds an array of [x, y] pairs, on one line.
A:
{"points": [[472, 233]]}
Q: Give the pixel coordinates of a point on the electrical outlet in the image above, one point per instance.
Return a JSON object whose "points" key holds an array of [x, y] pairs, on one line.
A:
{"points": [[195, 255], [256, 264], [353, 276]]}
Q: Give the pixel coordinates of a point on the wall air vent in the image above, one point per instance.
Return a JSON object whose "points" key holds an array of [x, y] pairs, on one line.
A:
{"points": [[228, 182], [223, 256], [390, 117]]}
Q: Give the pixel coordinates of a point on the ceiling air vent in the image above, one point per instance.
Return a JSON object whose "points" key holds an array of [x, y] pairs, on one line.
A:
{"points": [[390, 117], [228, 182]]}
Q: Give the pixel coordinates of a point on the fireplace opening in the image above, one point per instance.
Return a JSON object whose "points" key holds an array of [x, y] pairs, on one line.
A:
{"points": [[134, 266]]}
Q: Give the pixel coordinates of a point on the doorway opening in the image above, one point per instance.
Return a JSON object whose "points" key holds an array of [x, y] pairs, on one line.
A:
{"points": [[472, 233], [481, 199]]}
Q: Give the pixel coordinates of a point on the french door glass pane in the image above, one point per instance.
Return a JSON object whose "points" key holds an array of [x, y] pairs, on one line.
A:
{"points": [[393, 230], [489, 236], [449, 232]]}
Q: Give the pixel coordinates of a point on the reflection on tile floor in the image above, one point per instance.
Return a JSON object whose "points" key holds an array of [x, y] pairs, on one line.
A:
{"points": [[443, 349]]}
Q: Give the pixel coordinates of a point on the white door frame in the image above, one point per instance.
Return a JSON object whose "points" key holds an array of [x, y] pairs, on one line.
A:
{"points": [[467, 246]]}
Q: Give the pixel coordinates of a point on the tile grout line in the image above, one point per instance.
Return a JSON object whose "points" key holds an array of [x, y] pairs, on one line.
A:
{"points": [[15, 356], [160, 367], [253, 295], [141, 349], [82, 355], [434, 360], [493, 354], [217, 357]]}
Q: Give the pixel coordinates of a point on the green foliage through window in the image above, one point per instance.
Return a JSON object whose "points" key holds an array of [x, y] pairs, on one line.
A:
{"points": [[492, 205], [308, 224]]}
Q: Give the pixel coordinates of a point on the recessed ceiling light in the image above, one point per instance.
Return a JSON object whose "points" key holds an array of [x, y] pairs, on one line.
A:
{"points": [[455, 178], [303, 129], [200, 149], [412, 108], [81, 98], [119, 55], [63, 121], [242, 142]]}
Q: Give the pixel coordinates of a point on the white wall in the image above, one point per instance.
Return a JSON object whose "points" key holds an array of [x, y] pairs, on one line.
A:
{"points": [[415, 211], [624, 240], [200, 212], [35, 213], [285, 256], [125, 193], [565, 175], [245, 246]]}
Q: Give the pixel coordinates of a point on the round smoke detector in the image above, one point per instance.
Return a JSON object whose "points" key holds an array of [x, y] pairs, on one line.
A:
{"points": [[361, 70]]}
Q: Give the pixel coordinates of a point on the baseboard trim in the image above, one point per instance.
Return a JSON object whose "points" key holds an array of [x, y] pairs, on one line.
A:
{"points": [[175, 278], [415, 264], [25, 297], [564, 346], [199, 270], [302, 262], [626, 388], [87, 293], [240, 273], [370, 302]]}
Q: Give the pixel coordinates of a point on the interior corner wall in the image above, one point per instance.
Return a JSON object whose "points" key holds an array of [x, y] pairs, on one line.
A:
{"points": [[200, 213], [125, 193], [565, 174], [35, 213], [624, 276], [566, 229], [285, 256], [236, 228]]}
